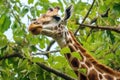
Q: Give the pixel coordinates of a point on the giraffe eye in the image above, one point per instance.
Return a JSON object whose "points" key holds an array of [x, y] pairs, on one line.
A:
{"points": [[56, 18], [51, 9]]}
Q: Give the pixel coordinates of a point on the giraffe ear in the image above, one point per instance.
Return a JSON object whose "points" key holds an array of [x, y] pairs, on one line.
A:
{"points": [[68, 13]]}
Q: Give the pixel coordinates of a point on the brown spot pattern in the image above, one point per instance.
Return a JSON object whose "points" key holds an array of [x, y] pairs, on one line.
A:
{"points": [[83, 77], [71, 48], [88, 63], [68, 55], [93, 75], [75, 62], [108, 77], [100, 76]]}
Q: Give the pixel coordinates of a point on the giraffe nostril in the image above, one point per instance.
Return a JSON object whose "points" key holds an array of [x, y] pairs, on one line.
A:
{"points": [[37, 30], [36, 22]]}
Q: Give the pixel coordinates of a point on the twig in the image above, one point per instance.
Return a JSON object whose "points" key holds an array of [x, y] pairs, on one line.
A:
{"points": [[16, 18], [95, 19], [51, 43], [85, 17], [39, 49], [117, 29], [60, 74], [11, 56], [49, 46], [102, 15], [46, 52]]}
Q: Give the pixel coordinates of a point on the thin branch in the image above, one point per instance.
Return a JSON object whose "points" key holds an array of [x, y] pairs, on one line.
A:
{"points": [[95, 19], [102, 15], [51, 43], [39, 49], [117, 29], [11, 56], [85, 17], [46, 52], [60, 74], [16, 18], [49, 46]]}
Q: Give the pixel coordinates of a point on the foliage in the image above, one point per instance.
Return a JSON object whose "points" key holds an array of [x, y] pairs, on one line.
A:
{"points": [[15, 16]]}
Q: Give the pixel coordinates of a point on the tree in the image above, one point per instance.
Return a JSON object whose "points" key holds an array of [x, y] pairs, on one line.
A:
{"points": [[27, 57]]}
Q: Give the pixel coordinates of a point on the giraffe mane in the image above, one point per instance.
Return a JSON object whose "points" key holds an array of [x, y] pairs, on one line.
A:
{"points": [[98, 65]]}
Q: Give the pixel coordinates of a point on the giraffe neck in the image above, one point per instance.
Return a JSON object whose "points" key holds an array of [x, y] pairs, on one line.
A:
{"points": [[94, 70]]}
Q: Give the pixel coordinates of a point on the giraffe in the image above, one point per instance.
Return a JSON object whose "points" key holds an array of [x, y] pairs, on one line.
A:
{"points": [[52, 25]]}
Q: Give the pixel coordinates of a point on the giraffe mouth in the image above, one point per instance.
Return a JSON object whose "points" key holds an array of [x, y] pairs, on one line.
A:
{"points": [[35, 29]]}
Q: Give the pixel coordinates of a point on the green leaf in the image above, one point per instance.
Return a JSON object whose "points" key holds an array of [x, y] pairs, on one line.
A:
{"points": [[17, 30], [18, 39], [65, 50], [83, 70], [37, 59], [32, 39], [32, 76], [33, 48], [77, 55], [24, 11], [116, 10], [22, 64], [117, 7], [4, 23], [2, 19], [42, 43], [16, 8], [3, 41], [25, 50], [112, 37], [32, 10], [30, 1]]}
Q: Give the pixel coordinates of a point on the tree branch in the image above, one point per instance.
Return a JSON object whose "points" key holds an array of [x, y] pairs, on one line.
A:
{"points": [[66, 77], [45, 52], [117, 29], [85, 17], [49, 46], [95, 19], [11, 56], [60, 74], [51, 43]]}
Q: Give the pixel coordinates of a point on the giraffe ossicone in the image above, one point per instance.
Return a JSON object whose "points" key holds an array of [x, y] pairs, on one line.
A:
{"points": [[52, 25]]}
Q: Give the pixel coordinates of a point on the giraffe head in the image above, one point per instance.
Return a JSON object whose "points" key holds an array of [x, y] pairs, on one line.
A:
{"points": [[49, 24]]}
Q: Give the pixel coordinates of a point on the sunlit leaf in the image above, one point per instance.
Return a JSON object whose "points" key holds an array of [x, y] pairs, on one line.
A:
{"points": [[4, 23], [65, 50], [83, 70], [24, 11], [37, 59], [30, 1], [77, 55], [3, 41]]}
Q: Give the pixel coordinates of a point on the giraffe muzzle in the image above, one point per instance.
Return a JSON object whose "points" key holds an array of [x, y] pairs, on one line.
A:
{"points": [[35, 29]]}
